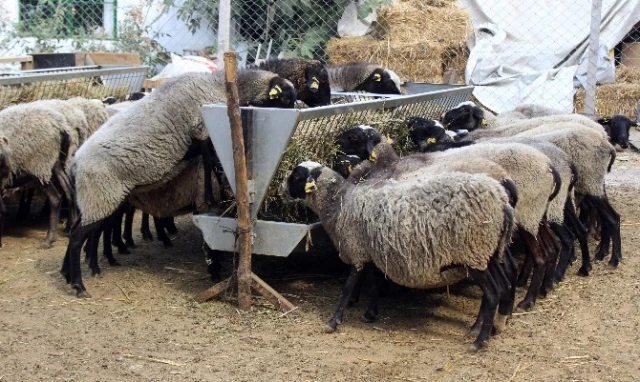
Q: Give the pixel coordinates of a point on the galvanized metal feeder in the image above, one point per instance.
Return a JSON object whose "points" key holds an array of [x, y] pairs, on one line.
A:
{"points": [[268, 133]]}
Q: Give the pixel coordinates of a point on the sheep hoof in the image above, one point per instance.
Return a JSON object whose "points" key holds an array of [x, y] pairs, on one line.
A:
{"points": [[369, 316], [167, 243], [525, 306], [584, 271], [83, 294], [329, 327], [124, 251], [46, 245], [613, 263], [474, 347], [500, 323], [474, 331]]}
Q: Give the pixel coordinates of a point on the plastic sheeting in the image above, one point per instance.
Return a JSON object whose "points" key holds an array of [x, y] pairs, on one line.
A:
{"points": [[531, 51]]}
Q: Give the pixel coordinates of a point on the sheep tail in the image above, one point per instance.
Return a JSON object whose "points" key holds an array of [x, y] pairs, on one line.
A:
{"points": [[612, 158], [65, 145], [557, 182], [512, 191], [574, 176], [507, 230]]}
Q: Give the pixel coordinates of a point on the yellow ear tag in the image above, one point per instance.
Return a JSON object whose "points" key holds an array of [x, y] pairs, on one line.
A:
{"points": [[373, 156], [315, 84], [389, 140], [431, 140], [349, 168], [377, 77], [309, 187], [275, 92], [483, 122]]}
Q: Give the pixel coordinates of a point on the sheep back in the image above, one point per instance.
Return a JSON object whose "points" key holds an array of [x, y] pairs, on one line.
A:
{"points": [[94, 111]]}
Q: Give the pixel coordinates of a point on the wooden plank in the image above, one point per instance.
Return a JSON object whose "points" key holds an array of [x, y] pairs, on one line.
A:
{"points": [[215, 290], [80, 59], [106, 58], [270, 294], [15, 59]]}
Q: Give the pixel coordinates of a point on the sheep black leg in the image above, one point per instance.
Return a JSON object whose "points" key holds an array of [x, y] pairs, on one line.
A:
{"points": [[162, 234], [487, 308], [170, 225], [357, 289], [128, 227], [3, 213], [26, 196], [213, 262], [91, 251], [144, 228], [63, 181], [116, 232], [525, 271], [612, 219], [502, 284], [54, 200], [107, 250], [71, 264], [336, 319], [539, 262], [371, 314], [207, 161], [567, 238], [552, 254]]}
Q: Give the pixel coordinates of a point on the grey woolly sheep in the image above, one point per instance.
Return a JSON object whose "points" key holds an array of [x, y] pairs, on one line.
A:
{"points": [[78, 127], [38, 141], [591, 155], [94, 111], [524, 165], [309, 77], [144, 144], [363, 76], [369, 222]]}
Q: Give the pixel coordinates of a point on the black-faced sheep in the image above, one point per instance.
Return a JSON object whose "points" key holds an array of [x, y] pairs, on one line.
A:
{"points": [[309, 77], [368, 223], [145, 145], [363, 76], [617, 128]]}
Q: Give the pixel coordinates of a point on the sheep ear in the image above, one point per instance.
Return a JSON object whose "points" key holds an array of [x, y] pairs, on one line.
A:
{"points": [[275, 92], [603, 120], [314, 84], [377, 77]]}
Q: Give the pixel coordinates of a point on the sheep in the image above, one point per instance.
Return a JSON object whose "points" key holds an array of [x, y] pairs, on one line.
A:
{"points": [[427, 134], [592, 156], [368, 223], [363, 76], [34, 142], [309, 77], [181, 195], [467, 115], [94, 111], [77, 125], [524, 165], [145, 144], [617, 128]]}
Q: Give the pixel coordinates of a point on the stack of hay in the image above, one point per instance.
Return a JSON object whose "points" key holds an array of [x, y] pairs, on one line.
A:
{"points": [[422, 40], [618, 98]]}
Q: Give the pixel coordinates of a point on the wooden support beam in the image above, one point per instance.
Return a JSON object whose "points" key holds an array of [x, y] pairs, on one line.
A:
{"points": [[270, 294], [215, 290]]}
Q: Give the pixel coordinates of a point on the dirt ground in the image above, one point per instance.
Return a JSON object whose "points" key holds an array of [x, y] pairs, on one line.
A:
{"points": [[143, 325]]}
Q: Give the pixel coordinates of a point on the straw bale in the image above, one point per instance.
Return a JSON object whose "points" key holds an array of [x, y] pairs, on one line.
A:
{"points": [[422, 40], [83, 87], [612, 99], [628, 74]]}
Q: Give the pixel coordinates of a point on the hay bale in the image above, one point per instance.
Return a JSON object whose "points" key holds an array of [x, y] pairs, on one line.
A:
{"points": [[618, 98], [612, 99], [423, 39], [83, 87]]}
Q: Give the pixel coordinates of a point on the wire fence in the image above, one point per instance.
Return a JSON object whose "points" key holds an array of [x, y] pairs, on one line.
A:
{"points": [[525, 50]]}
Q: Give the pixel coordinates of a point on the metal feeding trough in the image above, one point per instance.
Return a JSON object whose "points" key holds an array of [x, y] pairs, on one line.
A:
{"points": [[268, 133]]}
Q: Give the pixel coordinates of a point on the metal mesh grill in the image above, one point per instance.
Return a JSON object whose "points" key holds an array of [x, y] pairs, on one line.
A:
{"points": [[317, 129], [64, 83]]}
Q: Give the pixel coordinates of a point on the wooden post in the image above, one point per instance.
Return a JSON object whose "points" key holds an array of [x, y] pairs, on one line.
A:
{"points": [[242, 187]]}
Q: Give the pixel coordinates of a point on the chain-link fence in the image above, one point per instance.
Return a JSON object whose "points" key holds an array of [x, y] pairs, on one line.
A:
{"points": [[526, 51]]}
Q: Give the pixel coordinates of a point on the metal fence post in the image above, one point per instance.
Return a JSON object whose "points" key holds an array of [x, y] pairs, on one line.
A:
{"points": [[224, 27], [592, 68]]}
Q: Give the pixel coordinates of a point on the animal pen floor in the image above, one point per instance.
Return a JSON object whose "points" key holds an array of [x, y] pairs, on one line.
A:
{"points": [[143, 325]]}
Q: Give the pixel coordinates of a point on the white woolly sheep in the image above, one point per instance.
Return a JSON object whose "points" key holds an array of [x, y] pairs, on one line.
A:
{"points": [[35, 143], [144, 145], [369, 222], [94, 111], [363, 76]]}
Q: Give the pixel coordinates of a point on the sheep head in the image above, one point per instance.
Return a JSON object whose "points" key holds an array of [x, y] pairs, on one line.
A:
{"points": [[466, 116], [359, 141], [617, 128]]}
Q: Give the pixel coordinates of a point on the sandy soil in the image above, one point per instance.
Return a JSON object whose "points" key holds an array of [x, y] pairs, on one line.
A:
{"points": [[142, 323]]}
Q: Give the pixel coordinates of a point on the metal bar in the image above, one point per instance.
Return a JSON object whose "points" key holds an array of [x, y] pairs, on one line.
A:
{"points": [[242, 190], [52, 70], [592, 68], [224, 27], [71, 75]]}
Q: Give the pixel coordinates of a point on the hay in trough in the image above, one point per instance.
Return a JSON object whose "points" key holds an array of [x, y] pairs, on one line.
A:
{"points": [[77, 87], [618, 98], [423, 39]]}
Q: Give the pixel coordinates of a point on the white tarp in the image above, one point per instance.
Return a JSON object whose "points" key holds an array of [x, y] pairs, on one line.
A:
{"points": [[528, 51]]}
